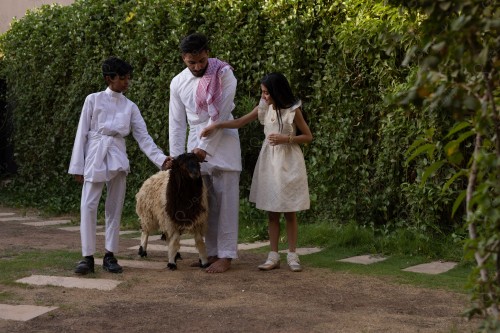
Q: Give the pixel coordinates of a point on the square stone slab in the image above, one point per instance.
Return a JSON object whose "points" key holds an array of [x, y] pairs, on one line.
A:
{"points": [[143, 264], [7, 214], [77, 228], [302, 251], [45, 223], [153, 238], [16, 218], [70, 282], [164, 248], [435, 267], [23, 312], [249, 246], [124, 232], [364, 260]]}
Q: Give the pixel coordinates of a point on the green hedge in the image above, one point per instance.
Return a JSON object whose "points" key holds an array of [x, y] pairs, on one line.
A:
{"points": [[343, 59]]}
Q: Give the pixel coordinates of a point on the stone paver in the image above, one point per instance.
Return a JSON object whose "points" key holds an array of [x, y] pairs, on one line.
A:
{"points": [[124, 232], [70, 282], [77, 228], [364, 260], [143, 263], [249, 246], [436, 267], [46, 223], [23, 312], [16, 218], [302, 251], [151, 238], [163, 248], [7, 214]]}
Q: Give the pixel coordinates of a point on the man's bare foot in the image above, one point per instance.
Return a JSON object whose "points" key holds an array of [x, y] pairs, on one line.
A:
{"points": [[211, 260], [220, 266]]}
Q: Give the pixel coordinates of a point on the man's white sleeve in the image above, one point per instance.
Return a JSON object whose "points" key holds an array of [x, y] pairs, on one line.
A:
{"points": [[177, 123]]}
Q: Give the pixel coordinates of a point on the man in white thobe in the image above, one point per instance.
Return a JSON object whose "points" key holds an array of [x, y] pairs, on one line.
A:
{"points": [[201, 94]]}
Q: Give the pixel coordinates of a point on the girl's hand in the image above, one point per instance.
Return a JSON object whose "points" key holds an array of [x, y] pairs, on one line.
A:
{"points": [[208, 130], [276, 139]]}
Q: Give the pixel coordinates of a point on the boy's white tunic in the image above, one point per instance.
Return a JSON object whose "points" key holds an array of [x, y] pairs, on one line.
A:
{"points": [[223, 161], [99, 151], [99, 154]]}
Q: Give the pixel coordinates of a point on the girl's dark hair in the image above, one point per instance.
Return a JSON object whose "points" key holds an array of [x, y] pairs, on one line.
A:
{"points": [[114, 66], [278, 87], [194, 43]]}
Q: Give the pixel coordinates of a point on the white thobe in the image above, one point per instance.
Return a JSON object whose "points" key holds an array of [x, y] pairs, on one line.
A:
{"points": [[223, 162], [99, 154]]}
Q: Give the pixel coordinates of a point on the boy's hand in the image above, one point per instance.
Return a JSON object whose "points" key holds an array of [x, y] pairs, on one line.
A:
{"points": [[79, 178], [167, 164]]}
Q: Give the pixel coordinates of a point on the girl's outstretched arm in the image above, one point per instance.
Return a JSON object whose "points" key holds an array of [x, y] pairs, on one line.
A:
{"points": [[235, 123]]}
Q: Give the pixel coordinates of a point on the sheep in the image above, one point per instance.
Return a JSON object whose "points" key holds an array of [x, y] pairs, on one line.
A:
{"points": [[174, 201]]}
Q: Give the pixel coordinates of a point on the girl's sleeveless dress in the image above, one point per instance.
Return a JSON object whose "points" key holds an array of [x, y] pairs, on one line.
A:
{"points": [[279, 182]]}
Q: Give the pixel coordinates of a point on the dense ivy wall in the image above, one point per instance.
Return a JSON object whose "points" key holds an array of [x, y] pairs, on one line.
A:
{"points": [[343, 58]]}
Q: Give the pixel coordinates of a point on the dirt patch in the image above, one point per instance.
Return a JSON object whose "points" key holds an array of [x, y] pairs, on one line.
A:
{"points": [[243, 299]]}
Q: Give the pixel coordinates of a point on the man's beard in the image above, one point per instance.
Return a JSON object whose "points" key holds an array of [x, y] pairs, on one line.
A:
{"points": [[200, 73]]}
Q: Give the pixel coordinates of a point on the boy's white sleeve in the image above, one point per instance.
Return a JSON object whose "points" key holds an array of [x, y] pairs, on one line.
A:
{"points": [[177, 123], [145, 141], [228, 86], [77, 163]]}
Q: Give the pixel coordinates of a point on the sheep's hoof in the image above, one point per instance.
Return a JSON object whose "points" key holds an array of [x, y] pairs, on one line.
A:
{"points": [[171, 266], [178, 257], [205, 266], [142, 253]]}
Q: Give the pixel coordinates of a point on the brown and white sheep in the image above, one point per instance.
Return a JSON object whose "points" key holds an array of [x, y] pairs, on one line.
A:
{"points": [[174, 202]]}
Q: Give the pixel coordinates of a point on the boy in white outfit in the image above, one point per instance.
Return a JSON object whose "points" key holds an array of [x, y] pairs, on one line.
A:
{"points": [[99, 157]]}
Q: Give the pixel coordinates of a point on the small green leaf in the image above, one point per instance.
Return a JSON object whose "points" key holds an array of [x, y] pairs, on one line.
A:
{"points": [[457, 202], [431, 170]]}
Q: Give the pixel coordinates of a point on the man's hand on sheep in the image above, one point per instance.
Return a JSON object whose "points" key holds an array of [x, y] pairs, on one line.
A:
{"points": [[200, 153]]}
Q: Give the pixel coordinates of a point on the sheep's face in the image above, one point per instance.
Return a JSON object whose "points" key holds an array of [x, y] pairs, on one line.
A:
{"points": [[189, 165]]}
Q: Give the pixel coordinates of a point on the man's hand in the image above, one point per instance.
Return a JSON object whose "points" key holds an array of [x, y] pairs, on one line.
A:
{"points": [[79, 178], [200, 153]]}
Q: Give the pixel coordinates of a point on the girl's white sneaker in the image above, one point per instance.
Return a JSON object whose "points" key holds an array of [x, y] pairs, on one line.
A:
{"points": [[293, 262], [272, 262]]}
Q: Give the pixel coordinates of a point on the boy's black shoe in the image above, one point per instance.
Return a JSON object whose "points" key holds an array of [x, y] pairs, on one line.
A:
{"points": [[85, 266], [110, 264]]}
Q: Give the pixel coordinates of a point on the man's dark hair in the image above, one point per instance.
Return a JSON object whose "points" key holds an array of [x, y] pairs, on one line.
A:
{"points": [[114, 66], [194, 43]]}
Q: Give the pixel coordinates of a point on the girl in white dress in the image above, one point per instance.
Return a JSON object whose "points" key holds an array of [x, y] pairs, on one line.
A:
{"points": [[279, 183]]}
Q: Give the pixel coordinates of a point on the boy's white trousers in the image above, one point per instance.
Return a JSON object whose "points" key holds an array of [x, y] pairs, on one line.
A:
{"points": [[221, 238], [91, 195]]}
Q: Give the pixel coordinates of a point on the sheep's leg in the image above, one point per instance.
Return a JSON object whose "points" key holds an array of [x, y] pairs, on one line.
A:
{"points": [[173, 249], [144, 244], [202, 249]]}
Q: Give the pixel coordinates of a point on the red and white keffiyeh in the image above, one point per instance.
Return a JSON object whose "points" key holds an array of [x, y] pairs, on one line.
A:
{"points": [[209, 91]]}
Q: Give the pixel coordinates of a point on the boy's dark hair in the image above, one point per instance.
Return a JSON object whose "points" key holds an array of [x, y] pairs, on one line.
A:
{"points": [[114, 66], [279, 89], [194, 44]]}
